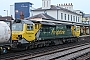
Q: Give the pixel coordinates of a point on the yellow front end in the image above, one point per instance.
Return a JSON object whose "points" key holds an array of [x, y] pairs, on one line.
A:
{"points": [[27, 34], [15, 34], [75, 30]]}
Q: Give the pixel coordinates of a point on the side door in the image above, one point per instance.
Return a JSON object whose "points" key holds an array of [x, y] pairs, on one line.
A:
{"points": [[29, 34]]}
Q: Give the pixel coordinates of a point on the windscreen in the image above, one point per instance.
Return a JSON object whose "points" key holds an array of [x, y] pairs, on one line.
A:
{"points": [[17, 27]]}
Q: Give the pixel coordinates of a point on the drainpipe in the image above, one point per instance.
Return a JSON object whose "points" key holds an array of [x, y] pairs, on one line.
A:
{"points": [[57, 14], [89, 25]]}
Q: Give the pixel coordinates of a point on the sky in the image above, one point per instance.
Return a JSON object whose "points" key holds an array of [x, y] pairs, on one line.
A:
{"points": [[82, 5]]}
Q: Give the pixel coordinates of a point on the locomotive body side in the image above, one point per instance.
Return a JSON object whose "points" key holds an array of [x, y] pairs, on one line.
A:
{"points": [[58, 31], [32, 33], [54, 31]]}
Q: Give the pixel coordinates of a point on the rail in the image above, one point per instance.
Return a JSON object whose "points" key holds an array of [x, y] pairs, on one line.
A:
{"points": [[60, 54]]}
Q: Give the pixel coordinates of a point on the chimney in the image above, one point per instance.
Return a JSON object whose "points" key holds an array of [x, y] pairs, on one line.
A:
{"points": [[69, 4], [11, 17], [59, 4], [21, 15], [66, 4]]}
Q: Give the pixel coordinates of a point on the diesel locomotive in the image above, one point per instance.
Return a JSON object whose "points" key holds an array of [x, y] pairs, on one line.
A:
{"points": [[31, 33]]}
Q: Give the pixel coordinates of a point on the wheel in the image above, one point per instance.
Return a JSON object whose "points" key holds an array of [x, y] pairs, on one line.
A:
{"points": [[26, 48]]}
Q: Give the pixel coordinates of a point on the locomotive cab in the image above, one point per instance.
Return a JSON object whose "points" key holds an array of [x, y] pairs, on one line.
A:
{"points": [[23, 31], [75, 30]]}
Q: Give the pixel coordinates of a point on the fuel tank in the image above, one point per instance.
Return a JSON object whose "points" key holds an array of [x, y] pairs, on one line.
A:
{"points": [[5, 32]]}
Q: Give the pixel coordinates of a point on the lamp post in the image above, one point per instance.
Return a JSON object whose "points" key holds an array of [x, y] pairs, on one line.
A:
{"points": [[7, 12]]}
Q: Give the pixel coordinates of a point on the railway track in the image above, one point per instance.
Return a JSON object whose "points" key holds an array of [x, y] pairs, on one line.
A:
{"points": [[60, 54], [36, 53], [39, 51], [84, 57]]}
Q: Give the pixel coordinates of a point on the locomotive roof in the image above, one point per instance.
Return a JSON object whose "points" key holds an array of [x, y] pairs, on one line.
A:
{"points": [[53, 22], [23, 21], [47, 23], [50, 22], [28, 22]]}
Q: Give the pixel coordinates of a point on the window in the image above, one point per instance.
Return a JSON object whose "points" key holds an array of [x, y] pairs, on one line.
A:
{"points": [[29, 27], [45, 29], [71, 17], [61, 15], [60, 27], [47, 3], [44, 3], [68, 16], [76, 18], [65, 16], [35, 26], [78, 28], [17, 27], [68, 26], [69, 7]]}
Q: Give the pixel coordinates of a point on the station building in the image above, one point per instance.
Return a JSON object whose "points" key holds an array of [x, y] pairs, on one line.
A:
{"points": [[86, 19], [62, 12]]}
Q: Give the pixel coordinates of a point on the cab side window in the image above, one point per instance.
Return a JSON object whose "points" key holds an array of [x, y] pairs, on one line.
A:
{"points": [[78, 28], [29, 27]]}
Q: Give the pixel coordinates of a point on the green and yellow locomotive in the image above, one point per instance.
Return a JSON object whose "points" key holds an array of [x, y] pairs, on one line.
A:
{"points": [[29, 33]]}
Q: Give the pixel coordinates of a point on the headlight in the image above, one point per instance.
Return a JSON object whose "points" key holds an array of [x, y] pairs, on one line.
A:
{"points": [[8, 48], [20, 37], [0, 47]]}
